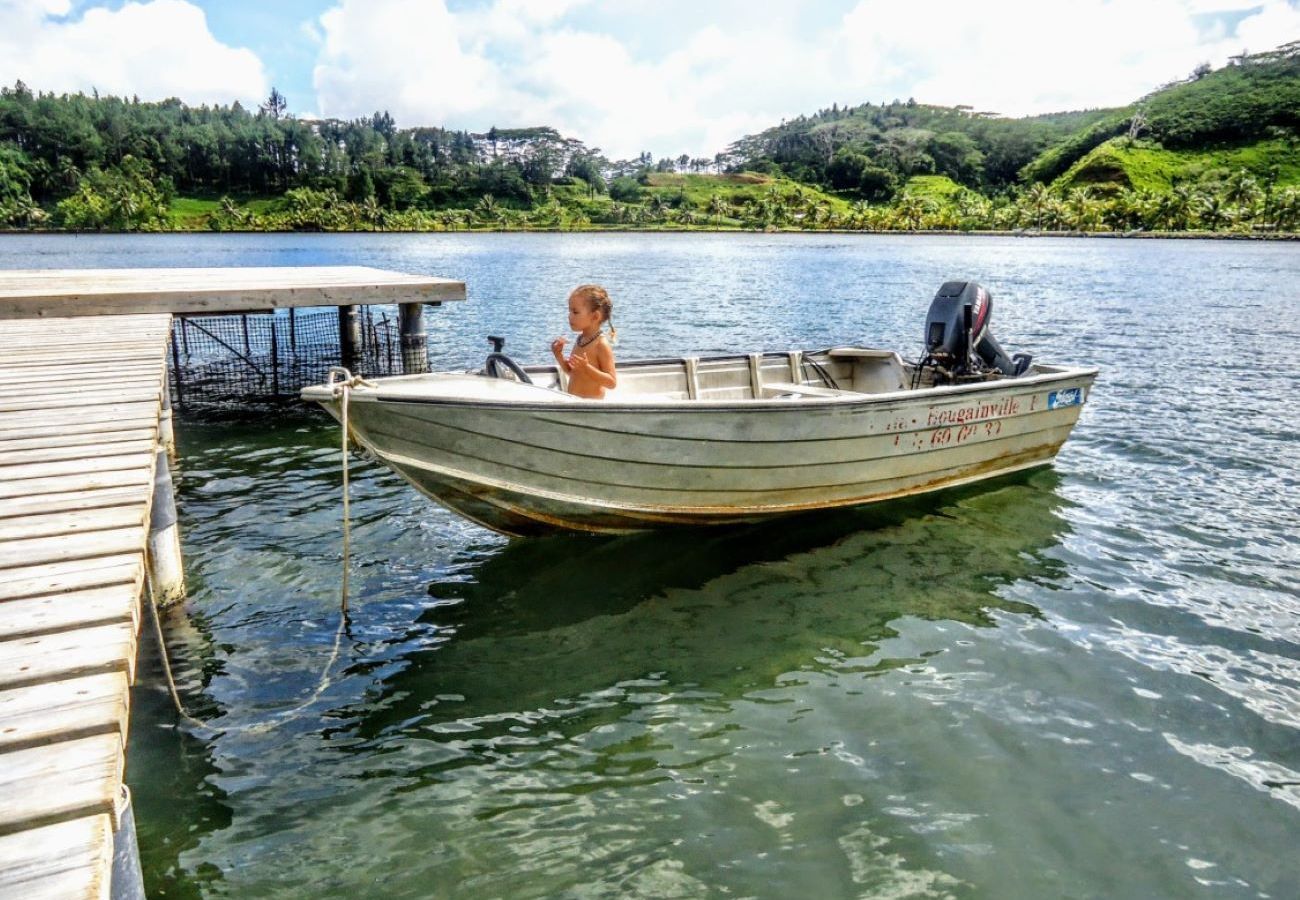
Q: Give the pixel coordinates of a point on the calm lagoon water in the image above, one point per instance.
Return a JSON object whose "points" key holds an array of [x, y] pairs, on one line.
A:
{"points": [[1080, 683]]}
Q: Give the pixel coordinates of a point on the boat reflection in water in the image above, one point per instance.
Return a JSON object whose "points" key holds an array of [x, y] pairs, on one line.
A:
{"points": [[720, 611]]}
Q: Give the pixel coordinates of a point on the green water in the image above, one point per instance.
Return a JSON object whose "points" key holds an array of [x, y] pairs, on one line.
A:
{"points": [[1081, 683]]}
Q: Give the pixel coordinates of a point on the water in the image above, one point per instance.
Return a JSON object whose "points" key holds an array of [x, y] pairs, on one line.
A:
{"points": [[1082, 683]]}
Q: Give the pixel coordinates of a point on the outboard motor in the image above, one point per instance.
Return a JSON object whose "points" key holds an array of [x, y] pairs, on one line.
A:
{"points": [[958, 343]]}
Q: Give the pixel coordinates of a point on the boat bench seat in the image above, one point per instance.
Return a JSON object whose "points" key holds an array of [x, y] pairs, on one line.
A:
{"points": [[777, 388]]}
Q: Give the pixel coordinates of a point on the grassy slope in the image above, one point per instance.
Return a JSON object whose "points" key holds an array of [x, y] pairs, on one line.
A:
{"points": [[736, 189], [191, 213], [1145, 166], [939, 188]]}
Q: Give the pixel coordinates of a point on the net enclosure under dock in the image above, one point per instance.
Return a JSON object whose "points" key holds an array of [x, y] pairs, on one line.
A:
{"points": [[249, 336]]}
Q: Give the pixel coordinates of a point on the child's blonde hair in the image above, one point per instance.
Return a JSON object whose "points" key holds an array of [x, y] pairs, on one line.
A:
{"points": [[598, 297]]}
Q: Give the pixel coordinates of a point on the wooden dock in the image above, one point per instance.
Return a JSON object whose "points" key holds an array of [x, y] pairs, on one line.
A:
{"points": [[79, 433], [86, 518]]}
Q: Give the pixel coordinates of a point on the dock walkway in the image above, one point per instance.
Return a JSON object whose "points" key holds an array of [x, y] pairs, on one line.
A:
{"points": [[85, 496], [80, 403]]}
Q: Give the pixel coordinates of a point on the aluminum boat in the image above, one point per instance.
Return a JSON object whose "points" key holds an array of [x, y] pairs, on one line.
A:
{"points": [[717, 440]]}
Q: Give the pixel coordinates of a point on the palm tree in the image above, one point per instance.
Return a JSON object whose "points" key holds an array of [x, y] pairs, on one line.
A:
{"points": [[658, 206], [487, 207], [1212, 211], [1286, 209], [716, 207], [1175, 208], [1038, 196], [372, 212], [910, 211], [1241, 189]]}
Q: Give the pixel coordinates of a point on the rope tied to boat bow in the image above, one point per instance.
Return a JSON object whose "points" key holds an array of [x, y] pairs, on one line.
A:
{"points": [[341, 389]]}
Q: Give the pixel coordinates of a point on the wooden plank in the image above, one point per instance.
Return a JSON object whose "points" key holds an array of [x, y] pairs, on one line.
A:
{"points": [[27, 294], [55, 433], [86, 651], [101, 413], [70, 860], [86, 396], [10, 447], [52, 613], [43, 785], [38, 385], [70, 501], [64, 710], [114, 462], [138, 441], [54, 524], [63, 547], [55, 578], [62, 484]]}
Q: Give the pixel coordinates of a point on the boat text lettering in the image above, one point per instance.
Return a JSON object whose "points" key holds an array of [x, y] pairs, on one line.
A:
{"points": [[963, 414]]}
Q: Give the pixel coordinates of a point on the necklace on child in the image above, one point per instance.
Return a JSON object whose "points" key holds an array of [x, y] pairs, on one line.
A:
{"points": [[583, 343]]}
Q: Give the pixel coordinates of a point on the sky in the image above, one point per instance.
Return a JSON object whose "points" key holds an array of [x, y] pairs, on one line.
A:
{"points": [[626, 76]]}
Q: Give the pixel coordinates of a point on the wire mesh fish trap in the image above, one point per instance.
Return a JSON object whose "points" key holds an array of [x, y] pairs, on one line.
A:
{"points": [[267, 358]]}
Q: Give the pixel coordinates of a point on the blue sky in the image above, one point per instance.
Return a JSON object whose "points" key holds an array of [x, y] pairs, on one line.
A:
{"points": [[667, 76]]}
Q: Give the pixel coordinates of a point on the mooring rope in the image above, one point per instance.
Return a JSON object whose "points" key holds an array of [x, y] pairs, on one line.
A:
{"points": [[166, 663], [341, 390]]}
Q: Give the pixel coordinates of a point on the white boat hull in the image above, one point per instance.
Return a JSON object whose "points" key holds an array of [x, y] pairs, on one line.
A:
{"points": [[521, 460]]}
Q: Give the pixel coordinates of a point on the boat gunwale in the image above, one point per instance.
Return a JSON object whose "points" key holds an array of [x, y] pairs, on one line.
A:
{"points": [[570, 403]]}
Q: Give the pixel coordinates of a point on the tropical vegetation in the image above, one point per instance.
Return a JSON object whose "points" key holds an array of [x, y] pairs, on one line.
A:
{"points": [[1218, 151]]}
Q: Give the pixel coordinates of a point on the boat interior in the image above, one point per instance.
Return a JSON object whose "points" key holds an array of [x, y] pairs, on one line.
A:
{"points": [[764, 376]]}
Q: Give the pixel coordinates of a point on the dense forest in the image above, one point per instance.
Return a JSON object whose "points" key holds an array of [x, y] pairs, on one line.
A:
{"points": [[1219, 150]]}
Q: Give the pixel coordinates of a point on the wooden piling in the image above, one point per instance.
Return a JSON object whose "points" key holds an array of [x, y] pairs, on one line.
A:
{"points": [[166, 567], [415, 342], [349, 335]]}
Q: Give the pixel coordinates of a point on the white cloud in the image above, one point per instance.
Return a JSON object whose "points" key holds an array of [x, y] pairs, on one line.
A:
{"points": [[518, 63], [156, 50]]}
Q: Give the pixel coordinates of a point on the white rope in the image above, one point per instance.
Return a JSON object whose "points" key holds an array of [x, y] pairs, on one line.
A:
{"points": [[342, 390]]}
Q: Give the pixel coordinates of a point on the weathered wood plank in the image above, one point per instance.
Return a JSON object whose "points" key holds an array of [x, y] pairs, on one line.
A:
{"points": [[35, 384], [56, 524], [10, 446], [54, 578], [52, 613], [30, 294], [64, 710], [70, 501], [85, 396], [50, 434], [108, 412], [62, 484], [64, 547], [66, 861], [74, 370], [142, 443], [43, 785], [114, 462], [86, 651]]}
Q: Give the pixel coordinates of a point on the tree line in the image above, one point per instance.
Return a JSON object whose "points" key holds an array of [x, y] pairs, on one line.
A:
{"points": [[89, 162]]}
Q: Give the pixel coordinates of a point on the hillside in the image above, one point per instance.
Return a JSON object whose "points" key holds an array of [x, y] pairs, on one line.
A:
{"points": [[1218, 151], [1254, 100]]}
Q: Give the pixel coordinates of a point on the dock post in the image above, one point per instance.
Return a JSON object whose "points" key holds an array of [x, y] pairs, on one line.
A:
{"points": [[166, 427], [349, 335], [127, 879], [166, 568], [415, 342]]}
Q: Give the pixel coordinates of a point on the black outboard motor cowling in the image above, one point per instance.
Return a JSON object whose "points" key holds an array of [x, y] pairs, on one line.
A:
{"points": [[957, 335]]}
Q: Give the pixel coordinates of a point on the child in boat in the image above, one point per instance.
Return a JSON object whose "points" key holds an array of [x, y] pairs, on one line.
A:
{"points": [[591, 364]]}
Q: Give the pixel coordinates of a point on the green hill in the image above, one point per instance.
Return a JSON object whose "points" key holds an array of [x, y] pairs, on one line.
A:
{"points": [[1241, 116], [1147, 166]]}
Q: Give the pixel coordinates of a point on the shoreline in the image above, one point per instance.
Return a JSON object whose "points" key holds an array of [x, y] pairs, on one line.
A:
{"points": [[1018, 233]]}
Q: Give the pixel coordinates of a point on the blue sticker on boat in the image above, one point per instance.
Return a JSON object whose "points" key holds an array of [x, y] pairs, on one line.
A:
{"points": [[1071, 397]]}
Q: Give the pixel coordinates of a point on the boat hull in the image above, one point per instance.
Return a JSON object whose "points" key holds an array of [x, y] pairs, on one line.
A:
{"points": [[524, 468]]}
